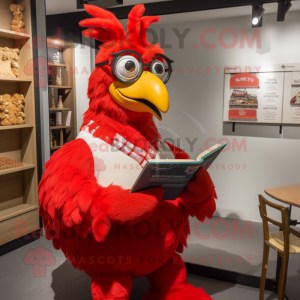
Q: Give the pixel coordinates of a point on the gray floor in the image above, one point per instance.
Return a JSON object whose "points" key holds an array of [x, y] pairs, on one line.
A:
{"points": [[63, 282], [237, 252]]}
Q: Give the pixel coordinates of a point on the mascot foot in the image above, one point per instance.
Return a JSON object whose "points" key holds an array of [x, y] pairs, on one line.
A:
{"points": [[185, 292], [169, 283], [111, 287]]}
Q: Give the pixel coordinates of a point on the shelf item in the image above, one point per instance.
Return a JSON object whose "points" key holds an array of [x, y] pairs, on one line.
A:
{"points": [[17, 169], [8, 163], [52, 103], [9, 66], [12, 109], [17, 23], [16, 127], [60, 104], [16, 211], [61, 127], [56, 58], [60, 87], [58, 77], [61, 138], [9, 34], [58, 119]]}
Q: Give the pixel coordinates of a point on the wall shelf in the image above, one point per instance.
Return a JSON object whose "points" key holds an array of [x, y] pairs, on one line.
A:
{"points": [[9, 34], [60, 109], [57, 65], [55, 147], [16, 211], [60, 127], [17, 169], [16, 127], [17, 79], [60, 86]]}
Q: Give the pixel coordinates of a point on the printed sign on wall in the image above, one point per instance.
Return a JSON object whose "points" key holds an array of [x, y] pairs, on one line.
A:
{"points": [[253, 97], [291, 100]]}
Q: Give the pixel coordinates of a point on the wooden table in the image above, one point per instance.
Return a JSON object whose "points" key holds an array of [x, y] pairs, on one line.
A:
{"points": [[288, 194]]}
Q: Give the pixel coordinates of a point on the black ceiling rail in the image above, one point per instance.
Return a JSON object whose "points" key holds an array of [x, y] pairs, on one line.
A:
{"points": [[105, 3], [69, 21], [184, 6]]}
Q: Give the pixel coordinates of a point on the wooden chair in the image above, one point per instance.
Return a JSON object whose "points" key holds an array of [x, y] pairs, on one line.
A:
{"points": [[284, 242]]}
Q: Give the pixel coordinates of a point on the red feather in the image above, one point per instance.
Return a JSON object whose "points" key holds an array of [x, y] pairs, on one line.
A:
{"points": [[177, 152], [103, 21]]}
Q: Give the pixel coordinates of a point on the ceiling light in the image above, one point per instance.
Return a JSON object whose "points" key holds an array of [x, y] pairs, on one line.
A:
{"points": [[257, 15], [283, 8]]}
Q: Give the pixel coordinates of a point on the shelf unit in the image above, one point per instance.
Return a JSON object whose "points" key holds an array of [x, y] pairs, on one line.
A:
{"points": [[66, 90], [19, 185]]}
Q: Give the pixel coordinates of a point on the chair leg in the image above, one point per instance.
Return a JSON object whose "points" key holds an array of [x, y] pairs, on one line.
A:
{"points": [[283, 275], [264, 271]]}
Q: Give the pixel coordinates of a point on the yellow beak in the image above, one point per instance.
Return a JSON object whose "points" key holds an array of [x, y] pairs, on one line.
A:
{"points": [[147, 94]]}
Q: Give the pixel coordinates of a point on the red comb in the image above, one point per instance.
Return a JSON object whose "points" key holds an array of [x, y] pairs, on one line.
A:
{"points": [[104, 25]]}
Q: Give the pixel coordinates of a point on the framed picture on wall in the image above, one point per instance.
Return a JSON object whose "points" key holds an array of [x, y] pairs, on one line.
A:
{"points": [[253, 94], [291, 99]]}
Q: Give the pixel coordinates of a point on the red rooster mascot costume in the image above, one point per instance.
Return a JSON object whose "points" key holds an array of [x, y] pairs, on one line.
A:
{"points": [[88, 212]]}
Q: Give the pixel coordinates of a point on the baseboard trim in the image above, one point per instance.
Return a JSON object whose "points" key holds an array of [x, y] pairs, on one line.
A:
{"points": [[20, 242], [228, 276]]}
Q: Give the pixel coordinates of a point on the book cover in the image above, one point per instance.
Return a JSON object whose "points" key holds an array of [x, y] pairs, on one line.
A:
{"points": [[174, 174]]}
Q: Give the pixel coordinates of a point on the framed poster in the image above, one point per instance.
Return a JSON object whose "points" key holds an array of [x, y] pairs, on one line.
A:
{"points": [[291, 99], [254, 97]]}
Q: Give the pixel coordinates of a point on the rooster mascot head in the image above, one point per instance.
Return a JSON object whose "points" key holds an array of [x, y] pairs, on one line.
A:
{"points": [[112, 235], [128, 83]]}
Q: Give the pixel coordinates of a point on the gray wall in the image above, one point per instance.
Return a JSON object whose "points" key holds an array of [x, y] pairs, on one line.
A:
{"points": [[269, 159]]}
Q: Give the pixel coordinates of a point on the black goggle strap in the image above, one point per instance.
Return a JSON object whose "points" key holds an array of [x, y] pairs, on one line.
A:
{"points": [[104, 63]]}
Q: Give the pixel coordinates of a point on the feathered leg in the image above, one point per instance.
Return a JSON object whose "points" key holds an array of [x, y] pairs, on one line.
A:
{"points": [[111, 287], [169, 283]]}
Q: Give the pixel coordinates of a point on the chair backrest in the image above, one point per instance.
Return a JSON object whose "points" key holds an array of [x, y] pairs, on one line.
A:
{"points": [[284, 224]]}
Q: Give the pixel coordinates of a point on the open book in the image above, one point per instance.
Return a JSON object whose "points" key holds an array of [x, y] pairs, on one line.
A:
{"points": [[174, 174]]}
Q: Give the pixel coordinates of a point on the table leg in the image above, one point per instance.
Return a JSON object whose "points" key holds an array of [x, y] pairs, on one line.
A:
{"points": [[279, 259]]}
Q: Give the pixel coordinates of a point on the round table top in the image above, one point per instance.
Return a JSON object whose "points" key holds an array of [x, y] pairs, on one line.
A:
{"points": [[289, 194]]}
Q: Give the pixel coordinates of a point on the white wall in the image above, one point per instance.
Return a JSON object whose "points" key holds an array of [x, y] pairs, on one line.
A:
{"points": [[84, 60], [271, 159]]}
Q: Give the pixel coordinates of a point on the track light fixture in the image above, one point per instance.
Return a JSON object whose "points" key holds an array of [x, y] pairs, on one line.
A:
{"points": [[257, 15], [283, 8]]}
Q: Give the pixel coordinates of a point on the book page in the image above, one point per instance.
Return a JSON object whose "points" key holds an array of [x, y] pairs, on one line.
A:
{"points": [[208, 151]]}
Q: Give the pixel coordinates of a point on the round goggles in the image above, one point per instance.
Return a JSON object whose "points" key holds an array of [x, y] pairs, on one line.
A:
{"points": [[127, 66]]}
